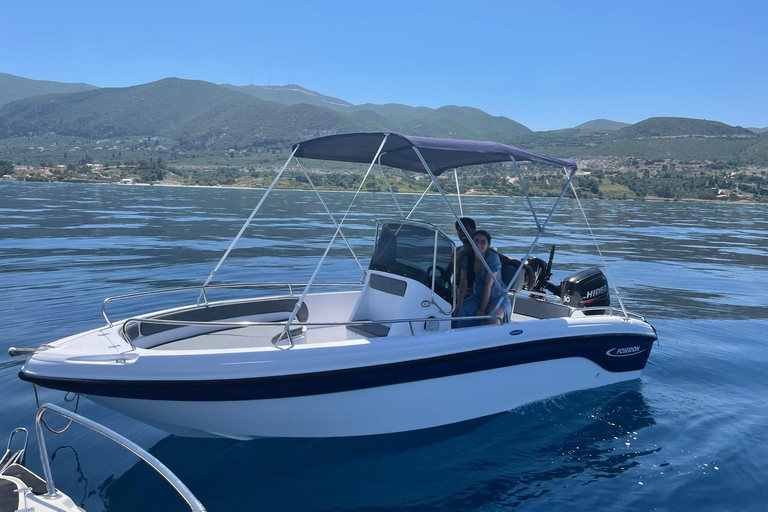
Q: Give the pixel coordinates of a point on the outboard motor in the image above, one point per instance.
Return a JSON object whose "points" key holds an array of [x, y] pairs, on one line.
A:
{"points": [[585, 289]]}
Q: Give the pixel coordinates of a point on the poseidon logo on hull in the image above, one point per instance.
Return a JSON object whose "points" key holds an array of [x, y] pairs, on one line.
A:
{"points": [[625, 351]]}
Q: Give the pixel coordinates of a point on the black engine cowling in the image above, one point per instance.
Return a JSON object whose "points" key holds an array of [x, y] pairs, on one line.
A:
{"points": [[585, 289]]}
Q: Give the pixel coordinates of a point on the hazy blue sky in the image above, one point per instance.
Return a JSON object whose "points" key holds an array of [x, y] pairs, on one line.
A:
{"points": [[549, 66]]}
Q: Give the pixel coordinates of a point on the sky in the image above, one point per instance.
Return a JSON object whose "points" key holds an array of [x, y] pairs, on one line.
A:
{"points": [[552, 65]]}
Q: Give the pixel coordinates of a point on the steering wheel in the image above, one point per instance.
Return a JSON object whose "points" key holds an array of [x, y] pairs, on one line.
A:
{"points": [[442, 276]]}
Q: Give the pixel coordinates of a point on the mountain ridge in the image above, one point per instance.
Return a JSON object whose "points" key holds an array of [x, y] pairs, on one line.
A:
{"points": [[602, 124], [681, 126], [286, 94], [207, 116], [198, 112], [13, 88], [394, 116]]}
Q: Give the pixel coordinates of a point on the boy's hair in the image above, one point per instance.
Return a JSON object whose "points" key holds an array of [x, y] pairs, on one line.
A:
{"points": [[468, 223]]}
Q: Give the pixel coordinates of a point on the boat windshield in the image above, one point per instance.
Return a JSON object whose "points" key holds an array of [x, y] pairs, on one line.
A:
{"points": [[416, 251]]}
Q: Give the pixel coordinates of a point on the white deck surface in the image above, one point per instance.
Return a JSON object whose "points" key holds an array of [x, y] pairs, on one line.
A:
{"points": [[262, 336], [257, 336]]}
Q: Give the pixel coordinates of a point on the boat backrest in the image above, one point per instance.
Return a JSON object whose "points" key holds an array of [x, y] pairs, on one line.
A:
{"points": [[540, 309], [509, 267]]}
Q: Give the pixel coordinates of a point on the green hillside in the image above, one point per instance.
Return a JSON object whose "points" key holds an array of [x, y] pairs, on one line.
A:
{"points": [[14, 88], [574, 142], [681, 126], [196, 113], [450, 121], [376, 121], [679, 148], [463, 123], [197, 122], [148, 109], [395, 112], [602, 125], [757, 152], [267, 123], [291, 95], [204, 115]]}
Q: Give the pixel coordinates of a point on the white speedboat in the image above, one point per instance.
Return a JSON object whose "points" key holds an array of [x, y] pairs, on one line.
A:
{"points": [[377, 357]]}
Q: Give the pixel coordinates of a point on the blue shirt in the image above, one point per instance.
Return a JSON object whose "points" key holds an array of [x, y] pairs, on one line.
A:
{"points": [[494, 263]]}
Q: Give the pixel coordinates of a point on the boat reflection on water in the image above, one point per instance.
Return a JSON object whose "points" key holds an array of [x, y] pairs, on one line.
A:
{"points": [[500, 460]]}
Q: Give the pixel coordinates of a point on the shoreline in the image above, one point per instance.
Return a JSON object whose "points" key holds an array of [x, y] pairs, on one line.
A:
{"points": [[238, 187]]}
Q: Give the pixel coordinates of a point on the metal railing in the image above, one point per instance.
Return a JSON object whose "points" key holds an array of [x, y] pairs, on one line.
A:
{"points": [[410, 321], [18, 456], [611, 310], [201, 289], [291, 286], [554, 299], [155, 464]]}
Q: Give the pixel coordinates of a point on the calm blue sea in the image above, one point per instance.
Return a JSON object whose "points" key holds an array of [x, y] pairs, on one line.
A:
{"points": [[691, 434]]}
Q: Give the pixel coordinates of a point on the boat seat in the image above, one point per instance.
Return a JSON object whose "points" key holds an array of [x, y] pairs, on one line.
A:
{"points": [[29, 478], [219, 312], [370, 330], [9, 498], [9, 489]]}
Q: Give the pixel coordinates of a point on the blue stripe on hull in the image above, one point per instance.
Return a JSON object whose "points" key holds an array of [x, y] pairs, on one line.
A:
{"points": [[614, 353]]}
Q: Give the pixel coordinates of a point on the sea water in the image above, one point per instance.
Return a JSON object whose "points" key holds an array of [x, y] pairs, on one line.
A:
{"points": [[690, 434]]}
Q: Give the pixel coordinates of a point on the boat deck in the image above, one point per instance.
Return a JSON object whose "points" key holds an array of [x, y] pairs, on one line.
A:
{"points": [[263, 336], [257, 336]]}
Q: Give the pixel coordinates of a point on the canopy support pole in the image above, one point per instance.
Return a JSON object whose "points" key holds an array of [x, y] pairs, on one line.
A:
{"points": [[287, 330], [605, 265], [384, 175], [458, 190], [306, 174], [458, 219], [247, 222], [525, 190], [419, 201], [536, 240]]}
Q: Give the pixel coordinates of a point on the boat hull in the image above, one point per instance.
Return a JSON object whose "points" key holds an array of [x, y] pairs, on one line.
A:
{"points": [[394, 385], [379, 410]]}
